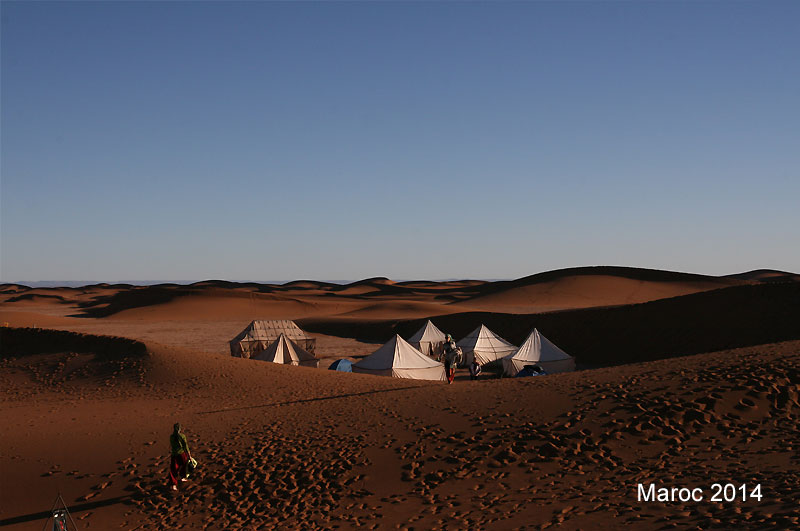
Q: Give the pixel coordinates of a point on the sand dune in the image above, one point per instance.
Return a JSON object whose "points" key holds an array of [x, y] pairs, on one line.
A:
{"points": [[210, 307], [313, 448], [374, 281], [563, 289], [354, 291], [767, 275], [36, 318], [588, 287], [206, 315], [397, 310], [582, 292], [34, 297]]}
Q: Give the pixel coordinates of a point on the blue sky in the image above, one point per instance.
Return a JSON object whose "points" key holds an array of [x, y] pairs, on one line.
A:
{"points": [[276, 141]]}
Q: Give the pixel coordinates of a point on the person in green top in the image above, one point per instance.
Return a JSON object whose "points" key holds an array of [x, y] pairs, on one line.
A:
{"points": [[179, 450]]}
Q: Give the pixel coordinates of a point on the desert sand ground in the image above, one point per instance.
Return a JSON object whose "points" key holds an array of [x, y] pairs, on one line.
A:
{"points": [[295, 447]]}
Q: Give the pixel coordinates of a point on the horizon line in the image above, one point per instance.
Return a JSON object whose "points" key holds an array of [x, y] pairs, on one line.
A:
{"points": [[154, 282]]}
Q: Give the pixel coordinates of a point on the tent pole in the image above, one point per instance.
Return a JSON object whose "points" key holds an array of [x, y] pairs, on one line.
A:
{"points": [[69, 514], [51, 512], [66, 509]]}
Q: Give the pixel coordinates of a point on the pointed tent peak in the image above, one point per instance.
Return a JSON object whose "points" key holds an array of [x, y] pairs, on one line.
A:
{"points": [[530, 342], [398, 341], [428, 332], [538, 348], [482, 333], [534, 333], [394, 341], [484, 346], [401, 345], [297, 352], [284, 350], [283, 344]]}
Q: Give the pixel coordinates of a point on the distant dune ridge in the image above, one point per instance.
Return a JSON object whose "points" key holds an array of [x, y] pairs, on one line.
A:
{"points": [[561, 289], [767, 275], [88, 415], [574, 307]]}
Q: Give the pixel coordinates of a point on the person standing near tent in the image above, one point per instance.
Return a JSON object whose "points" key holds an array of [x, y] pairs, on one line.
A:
{"points": [[179, 451], [449, 344], [450, 357]]}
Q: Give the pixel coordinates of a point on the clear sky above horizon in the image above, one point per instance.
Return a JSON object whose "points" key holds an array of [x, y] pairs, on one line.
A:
{"points": [[278, 141]]}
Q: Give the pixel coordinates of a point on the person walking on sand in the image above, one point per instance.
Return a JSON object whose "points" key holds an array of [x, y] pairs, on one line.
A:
{"points": [[448, 371], [179, 450]]}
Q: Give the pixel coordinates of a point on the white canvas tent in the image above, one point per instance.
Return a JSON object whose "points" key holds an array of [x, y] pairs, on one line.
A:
{"points": [[538, 350], [485, 346], [399, 359], [260, 334], [428, 339], [287, 352]]}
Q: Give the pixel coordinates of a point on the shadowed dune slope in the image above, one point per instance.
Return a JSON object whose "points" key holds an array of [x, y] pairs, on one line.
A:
{"points": [[242, 306], [396, 310], [702, 322], [16, 342]]}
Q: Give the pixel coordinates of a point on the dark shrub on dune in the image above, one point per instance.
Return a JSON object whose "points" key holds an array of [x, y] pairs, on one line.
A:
{"points": [[18, 342]]}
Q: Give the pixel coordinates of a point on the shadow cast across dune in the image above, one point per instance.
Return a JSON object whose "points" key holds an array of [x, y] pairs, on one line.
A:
{"points": [[72, 508], [306, 400]]}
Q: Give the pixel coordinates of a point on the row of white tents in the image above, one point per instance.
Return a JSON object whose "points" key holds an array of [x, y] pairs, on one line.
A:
{"points": [[413, 358], [487, 347], [481, 344], [285, 343]]}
